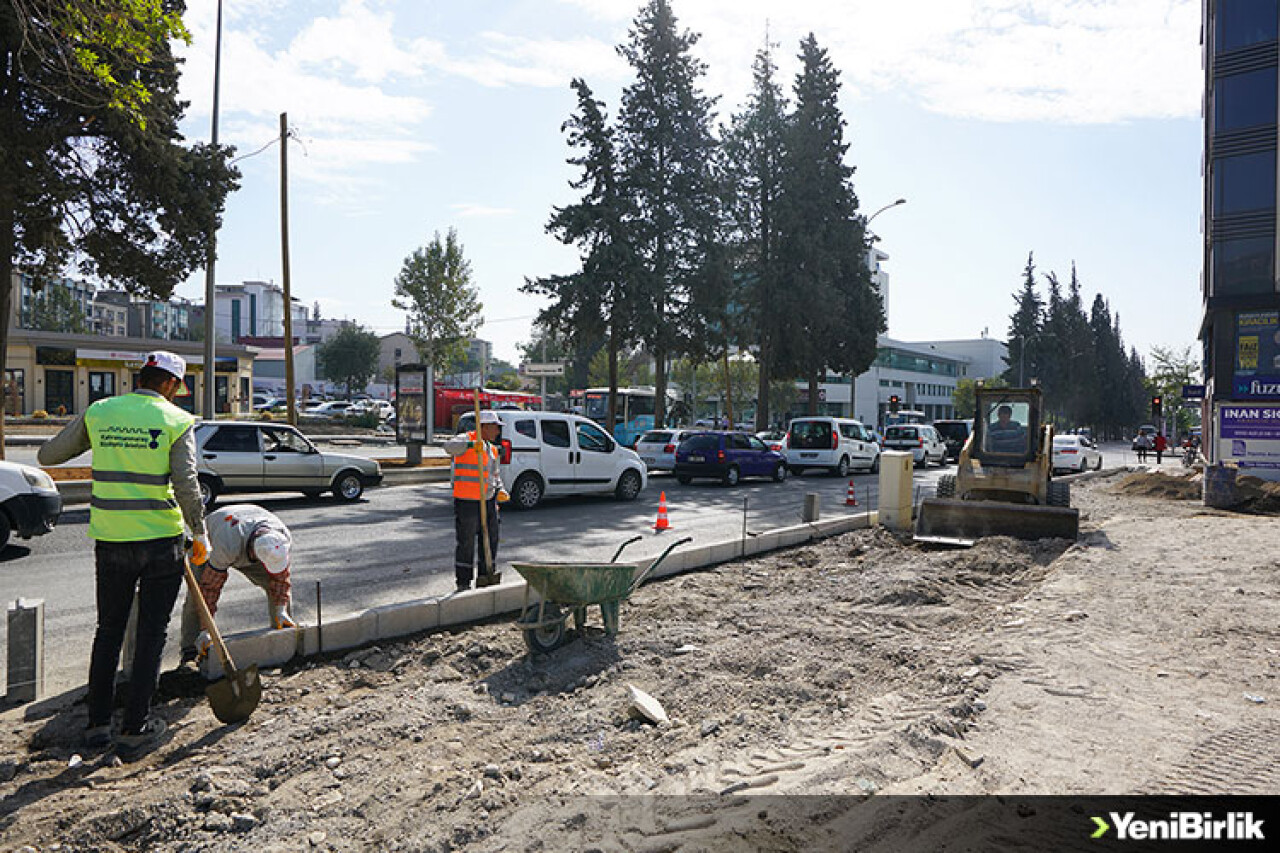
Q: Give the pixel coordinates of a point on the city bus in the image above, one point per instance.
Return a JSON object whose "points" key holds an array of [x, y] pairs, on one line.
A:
{"points": [[634, 414]]}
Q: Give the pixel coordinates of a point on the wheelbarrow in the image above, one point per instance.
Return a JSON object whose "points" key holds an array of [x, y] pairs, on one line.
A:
{"points": [[570, 588]]}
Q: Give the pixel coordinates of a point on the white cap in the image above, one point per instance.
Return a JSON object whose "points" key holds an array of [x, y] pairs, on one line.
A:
{"points": [[489, 416], [271, 548], [167, 361]]}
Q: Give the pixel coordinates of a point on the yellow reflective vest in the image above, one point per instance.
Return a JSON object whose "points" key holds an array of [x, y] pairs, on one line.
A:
{"points": [[467, 470], [132, 498]]}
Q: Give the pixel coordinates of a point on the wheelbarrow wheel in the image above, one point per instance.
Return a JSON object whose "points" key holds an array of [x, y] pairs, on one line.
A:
{"points": [[547, 636]]}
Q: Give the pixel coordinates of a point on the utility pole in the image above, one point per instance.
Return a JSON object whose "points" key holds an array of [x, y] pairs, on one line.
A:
{"points": [[211, 257], [284, 255]]}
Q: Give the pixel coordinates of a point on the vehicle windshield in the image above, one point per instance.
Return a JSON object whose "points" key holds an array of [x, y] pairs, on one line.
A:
{"points": [[700, 443], [811, 435], [899, 433], [1064, 440], [956, 431], [1006, 426], [655, 437]]}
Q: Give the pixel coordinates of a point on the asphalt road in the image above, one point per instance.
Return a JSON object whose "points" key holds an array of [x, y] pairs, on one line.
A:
{"points": [[396, 544]]}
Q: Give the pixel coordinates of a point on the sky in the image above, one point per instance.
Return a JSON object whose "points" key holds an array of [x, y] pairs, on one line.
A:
{"points": [[1065, 128]]}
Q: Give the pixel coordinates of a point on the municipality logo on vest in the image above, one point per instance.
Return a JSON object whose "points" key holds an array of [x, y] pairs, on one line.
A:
{"points": [[155, 438], [1182, 826]]}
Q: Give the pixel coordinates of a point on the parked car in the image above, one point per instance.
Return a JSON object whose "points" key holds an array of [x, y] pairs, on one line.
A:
{"points": [[657, 447], [235, 456], [836, 444], [549, 454], [921, 440], [332, 409], [954, 434], [1075, 453], [263, 403], [29, 502], [774, 439], [382, 408], [727, 457]]}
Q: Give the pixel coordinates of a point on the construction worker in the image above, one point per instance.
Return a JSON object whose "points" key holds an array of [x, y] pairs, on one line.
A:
{"points": [[254, 542], [144, 489], [475, 462]]}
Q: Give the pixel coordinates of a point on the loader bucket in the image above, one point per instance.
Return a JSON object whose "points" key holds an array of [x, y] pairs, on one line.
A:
{"points": [[955, 522]]}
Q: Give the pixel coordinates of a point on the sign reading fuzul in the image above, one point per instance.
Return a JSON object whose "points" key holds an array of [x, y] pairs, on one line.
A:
{"points": [[1257, 367], [1249, 435]]}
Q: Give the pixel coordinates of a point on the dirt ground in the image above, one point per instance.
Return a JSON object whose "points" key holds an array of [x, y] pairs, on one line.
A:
{"points": [[1141, 659]]}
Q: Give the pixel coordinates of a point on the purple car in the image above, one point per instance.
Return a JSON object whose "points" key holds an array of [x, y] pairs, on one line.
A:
{"points": [[727, 457]]}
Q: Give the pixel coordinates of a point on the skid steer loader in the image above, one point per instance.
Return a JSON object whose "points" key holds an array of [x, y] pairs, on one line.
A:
{"points": [[1002, 485]]}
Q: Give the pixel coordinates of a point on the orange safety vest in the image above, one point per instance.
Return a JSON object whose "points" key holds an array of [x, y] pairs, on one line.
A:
{"points": [[467, 470]]}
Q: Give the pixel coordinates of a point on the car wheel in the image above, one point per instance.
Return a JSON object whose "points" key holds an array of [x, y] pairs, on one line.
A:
{"points": [[1098, 467], [1084, 466], [527, 492], [628, 486], [732, 476], [684, 479], [875, 464], [208, 492], [6, 529], [842, 469], [348, 487], [779, 473]]}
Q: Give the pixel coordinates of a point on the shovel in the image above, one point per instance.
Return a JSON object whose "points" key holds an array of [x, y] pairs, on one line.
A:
{"points": [[234, 697]]}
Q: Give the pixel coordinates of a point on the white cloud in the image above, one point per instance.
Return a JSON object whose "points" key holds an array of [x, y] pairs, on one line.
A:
{"points": [[469, 210]]}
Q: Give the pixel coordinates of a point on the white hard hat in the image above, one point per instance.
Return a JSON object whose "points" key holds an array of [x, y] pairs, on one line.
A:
{"points": [[271, 548], [489, 416]]}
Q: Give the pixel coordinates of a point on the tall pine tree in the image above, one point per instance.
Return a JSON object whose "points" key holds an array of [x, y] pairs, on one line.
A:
{"points": [[1024, 331], [665, 148]]}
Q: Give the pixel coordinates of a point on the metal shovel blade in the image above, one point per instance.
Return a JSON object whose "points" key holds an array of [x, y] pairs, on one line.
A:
{"points": [[233, 698]]}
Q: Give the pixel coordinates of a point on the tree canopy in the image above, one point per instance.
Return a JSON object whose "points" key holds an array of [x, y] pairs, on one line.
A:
{"points": [[349, 358], [434, 288], [93, 170]]}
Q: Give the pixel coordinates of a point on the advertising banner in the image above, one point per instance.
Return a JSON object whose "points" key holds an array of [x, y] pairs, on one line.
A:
{"points": [[1249, 436], [1257, 367]]}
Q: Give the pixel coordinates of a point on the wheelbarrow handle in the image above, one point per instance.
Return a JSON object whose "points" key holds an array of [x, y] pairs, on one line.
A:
{"points": [[635, 584], [623, 546]]}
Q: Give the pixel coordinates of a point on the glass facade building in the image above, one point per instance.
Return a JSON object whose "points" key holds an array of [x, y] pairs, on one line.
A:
{"points": [[1239, 278]]}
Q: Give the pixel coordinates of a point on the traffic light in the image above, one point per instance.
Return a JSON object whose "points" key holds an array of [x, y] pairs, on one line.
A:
{"points": [[1156, 405], [893, 403]]}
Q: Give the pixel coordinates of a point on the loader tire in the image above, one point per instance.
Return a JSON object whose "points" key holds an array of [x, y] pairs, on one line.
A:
{"points": [[947, 486], [1059, 494]]}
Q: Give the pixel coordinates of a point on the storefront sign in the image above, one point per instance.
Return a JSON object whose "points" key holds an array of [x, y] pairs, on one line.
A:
{"points": [[1257, 367], [1249, 436]]}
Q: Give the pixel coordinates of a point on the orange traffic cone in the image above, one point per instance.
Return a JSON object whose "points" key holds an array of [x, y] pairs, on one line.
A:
{"points": [[850, 498], [662, 524]]}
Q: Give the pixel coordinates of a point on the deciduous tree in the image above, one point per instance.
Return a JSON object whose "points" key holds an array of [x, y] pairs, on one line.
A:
{"points": [[349, 358]]}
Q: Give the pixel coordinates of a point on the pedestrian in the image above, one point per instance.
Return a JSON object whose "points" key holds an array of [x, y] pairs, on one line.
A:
{"points": [[477, 476], [257, 544], [1143, 444], [1161, 444], [144, 489]]}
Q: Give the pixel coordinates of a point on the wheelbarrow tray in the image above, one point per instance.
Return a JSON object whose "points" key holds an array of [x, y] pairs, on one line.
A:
{"points": [[578, 584]]}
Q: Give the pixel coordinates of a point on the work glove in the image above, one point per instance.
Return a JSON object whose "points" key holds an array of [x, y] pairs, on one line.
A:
{"points": [[200, 550], [280, 617], [503, 497], [203, 642]]}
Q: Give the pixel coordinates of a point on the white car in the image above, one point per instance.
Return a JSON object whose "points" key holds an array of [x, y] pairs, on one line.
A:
{"points": [[839, 445], [657, 448], [29, 502], [920, 440], [1075, 453], [334, 409], [551, 454]]}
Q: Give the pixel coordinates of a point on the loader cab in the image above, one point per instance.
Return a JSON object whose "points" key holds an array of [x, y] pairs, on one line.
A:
{"points": [[1007, 428]]}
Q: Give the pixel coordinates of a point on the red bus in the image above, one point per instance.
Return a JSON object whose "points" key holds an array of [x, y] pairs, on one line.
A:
{"points": [[452, 403]]}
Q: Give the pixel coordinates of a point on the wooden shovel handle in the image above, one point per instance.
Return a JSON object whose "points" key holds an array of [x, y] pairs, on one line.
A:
{"points": [[206, 618]]}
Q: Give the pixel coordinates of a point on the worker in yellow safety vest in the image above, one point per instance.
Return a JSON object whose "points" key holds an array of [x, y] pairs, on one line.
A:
{"points": [[144, 489], [476, 467]]}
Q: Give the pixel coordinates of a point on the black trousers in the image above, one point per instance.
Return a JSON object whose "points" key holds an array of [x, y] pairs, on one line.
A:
{"points": [[153, 569], [466, 522]]}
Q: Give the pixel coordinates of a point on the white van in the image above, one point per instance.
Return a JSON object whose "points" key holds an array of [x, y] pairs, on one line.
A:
{"points": [[551, 454], [838, 444]]}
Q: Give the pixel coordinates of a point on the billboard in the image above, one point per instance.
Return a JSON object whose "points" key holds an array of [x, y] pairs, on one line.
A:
{"points": [[1257, 366], [1249, 436]]}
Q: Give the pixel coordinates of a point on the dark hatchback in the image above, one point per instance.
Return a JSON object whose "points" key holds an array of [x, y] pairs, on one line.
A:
{"points": [[954, 434], [727, 457]]}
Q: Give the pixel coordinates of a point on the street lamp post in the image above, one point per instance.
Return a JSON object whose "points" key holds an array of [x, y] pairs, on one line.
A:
{"points": [[882, 210], [211, 257]]}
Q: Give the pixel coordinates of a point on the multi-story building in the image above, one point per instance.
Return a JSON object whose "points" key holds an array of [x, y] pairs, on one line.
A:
{"points": [[254, 309], [26, 297], [1240, 322], [111, 320]]}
